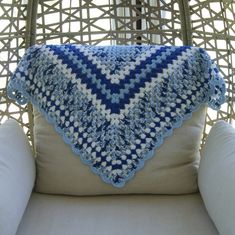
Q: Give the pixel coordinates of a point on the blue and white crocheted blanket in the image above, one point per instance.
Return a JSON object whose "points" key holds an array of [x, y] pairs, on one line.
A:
{"points": [[115, 104]]}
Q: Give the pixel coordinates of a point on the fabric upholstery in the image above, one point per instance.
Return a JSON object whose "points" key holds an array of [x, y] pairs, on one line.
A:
{"points": [[217, 177], [172, 171], [116, 215], [17, 174]]}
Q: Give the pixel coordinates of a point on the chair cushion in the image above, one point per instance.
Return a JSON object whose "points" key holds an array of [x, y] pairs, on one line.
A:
{"points": [[116, 215], [217, 176], [172, 171], [17, 174]]}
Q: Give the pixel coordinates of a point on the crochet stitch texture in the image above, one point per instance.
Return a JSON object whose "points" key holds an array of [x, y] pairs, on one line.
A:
{"points": [[114, 105]]}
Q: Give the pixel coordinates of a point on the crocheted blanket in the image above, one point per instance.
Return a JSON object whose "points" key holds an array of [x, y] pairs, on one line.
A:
{"points": [[114, 105]]}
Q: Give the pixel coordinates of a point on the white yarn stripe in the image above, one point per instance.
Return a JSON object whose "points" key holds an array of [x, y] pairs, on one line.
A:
{"points": [[125, 71], [114, 118], [72, 76], [149, 85]]}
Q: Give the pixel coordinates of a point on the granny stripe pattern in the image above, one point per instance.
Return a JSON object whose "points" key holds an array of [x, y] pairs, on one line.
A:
{"points": [[114, 105]]}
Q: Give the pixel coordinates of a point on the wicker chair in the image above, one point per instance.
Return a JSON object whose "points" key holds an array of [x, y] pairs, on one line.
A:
{"points": [[201, 23]]}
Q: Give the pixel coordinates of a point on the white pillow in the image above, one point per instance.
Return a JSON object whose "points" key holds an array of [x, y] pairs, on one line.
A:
{"points": [[172, 171], [17, 174], [217, 177]]}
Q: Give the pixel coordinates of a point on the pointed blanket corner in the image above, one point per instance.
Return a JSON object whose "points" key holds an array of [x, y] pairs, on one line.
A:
{"points": [[114, 105]]}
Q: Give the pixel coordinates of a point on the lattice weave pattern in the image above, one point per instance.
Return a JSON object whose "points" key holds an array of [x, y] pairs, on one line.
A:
{"points": [[165, 22], [12, 47], [213, 28]]}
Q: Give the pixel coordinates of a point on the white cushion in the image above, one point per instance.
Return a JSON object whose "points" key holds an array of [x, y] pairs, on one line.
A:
{"points": [[17, 174], [116, 215], [173, 170], [217, 177]]}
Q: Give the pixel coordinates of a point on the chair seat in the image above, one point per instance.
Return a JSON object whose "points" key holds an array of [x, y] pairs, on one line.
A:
{"points": [[116, 215]]}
